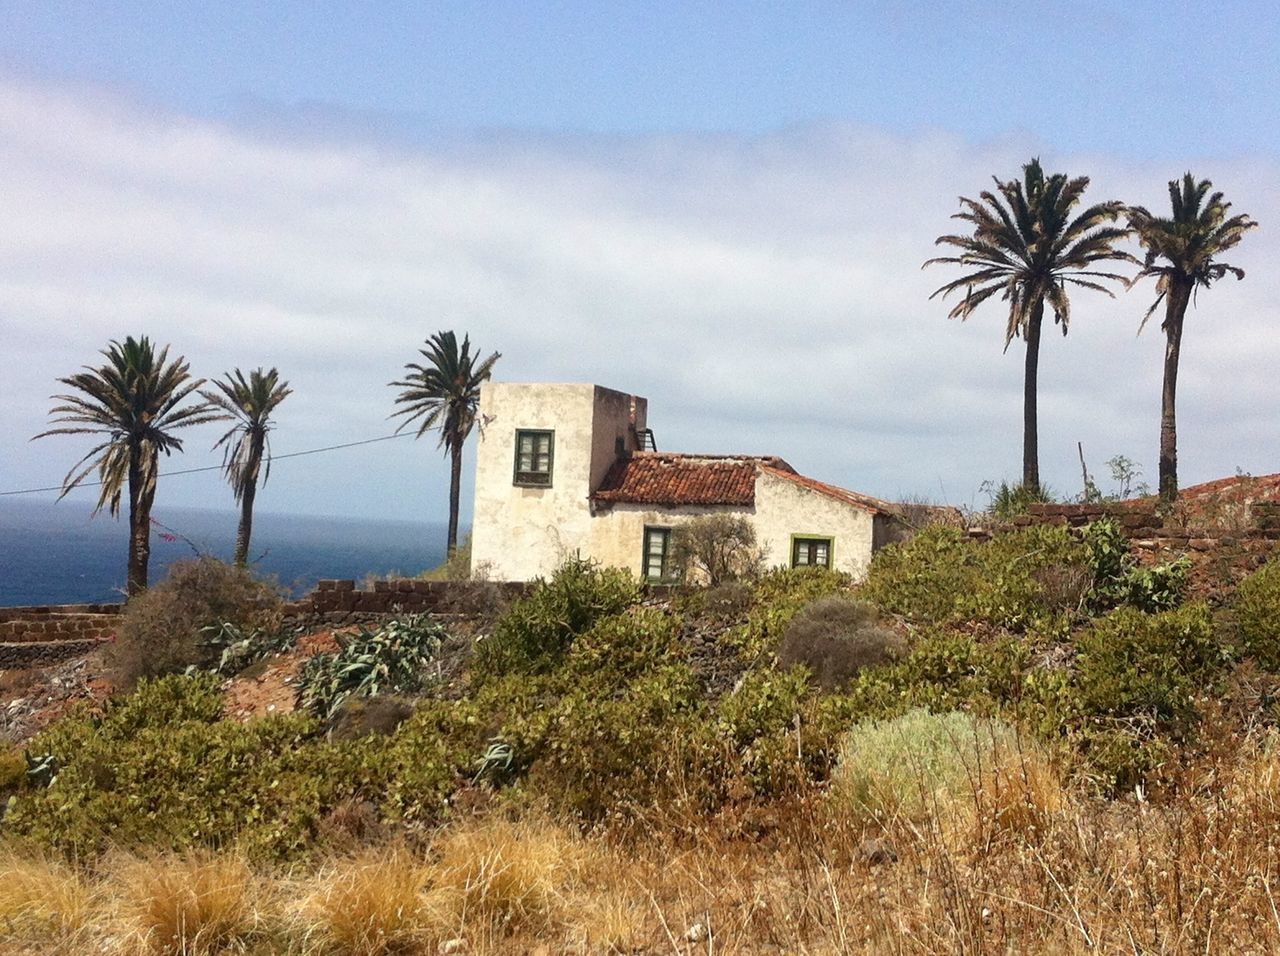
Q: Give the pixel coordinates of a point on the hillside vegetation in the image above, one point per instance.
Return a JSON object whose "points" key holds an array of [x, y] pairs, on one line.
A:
{"points": [[1028, 744]]}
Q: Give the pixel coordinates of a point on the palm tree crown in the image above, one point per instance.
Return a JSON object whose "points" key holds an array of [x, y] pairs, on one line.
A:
{"points": [[1029, 249], [444, 392], [246, 445], [133, 401], [1182, 248]]}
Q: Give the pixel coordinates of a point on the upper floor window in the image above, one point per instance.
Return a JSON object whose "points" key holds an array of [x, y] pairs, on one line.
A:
{"points": [[810, 552], [534, 453]]}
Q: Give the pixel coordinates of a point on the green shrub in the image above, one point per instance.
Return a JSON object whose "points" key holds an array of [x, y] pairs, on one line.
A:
{"points": [[911, 765], [396, 658], [1257, 612], [942, 576], [777, 596], [1118, 578], [1009, 501], [162, 630], [620, 648], [536, 631], [160, 769], [836, 637]]}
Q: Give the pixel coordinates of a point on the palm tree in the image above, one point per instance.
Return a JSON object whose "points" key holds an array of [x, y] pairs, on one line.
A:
{"points": [[1029, 249], [443, 393], [246, 446], [132, 400], [1180, 256]]}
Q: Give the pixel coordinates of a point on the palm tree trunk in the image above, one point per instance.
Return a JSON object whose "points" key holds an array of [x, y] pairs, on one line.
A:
{"points": [[1175, 311], [455, 483], [1030, 432], [247, 493], [139, 524]]}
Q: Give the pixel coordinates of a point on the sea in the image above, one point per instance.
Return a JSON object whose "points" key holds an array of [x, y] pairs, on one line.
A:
{"points": [[59, 553]]}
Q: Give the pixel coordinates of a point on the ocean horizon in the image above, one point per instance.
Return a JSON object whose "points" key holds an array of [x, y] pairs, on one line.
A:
{"points": [[60, 553]]}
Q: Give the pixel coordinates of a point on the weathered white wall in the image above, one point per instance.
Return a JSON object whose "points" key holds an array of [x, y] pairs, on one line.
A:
{"points": [[617, 532], [784, 508], [520, 533]]}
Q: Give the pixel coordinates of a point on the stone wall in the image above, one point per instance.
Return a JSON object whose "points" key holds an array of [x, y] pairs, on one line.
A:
{"points": [[1219, 555], [48, 634], [340, 601]]}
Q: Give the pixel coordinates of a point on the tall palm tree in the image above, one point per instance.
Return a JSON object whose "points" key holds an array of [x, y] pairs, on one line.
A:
{"points": [[1180, 256], [1029, 249], [245, 446], [133, 400], [443, 392]]}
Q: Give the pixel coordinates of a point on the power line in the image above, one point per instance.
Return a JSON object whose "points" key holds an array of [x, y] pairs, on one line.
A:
{"points": [[192, 471]]}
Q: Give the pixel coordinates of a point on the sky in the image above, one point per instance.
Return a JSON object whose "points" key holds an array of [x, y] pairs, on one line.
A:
{"points": [[721, 207]]}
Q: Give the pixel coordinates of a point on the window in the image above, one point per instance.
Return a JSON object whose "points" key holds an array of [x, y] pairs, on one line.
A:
{"points": [[657, 554], [534, 450], [810, 552]]}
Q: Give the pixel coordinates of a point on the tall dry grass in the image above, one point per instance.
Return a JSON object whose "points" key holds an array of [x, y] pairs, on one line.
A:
{"points": [[1197, 871]]}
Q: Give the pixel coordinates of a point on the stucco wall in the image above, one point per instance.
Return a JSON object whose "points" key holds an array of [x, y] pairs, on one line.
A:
{"points": [[617, 532], [519, 533], [784, 508]]}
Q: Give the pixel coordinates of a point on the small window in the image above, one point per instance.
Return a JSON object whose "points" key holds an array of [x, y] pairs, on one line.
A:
{"points": [[534, 452], [810, 552], [657, 554]]}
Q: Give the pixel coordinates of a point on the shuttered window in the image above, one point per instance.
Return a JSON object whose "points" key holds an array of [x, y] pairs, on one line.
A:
{"points": [[811, 552], [657, 554], [534, 453]]}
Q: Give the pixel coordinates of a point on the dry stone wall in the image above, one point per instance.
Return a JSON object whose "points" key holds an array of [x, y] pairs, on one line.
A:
{"points": [[48, 634]]}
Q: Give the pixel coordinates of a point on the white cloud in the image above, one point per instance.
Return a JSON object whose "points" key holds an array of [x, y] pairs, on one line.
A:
{"points": [[765, 294]]}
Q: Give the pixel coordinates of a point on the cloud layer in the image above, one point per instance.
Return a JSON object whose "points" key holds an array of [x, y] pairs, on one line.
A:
{"points": [[764, 293]]}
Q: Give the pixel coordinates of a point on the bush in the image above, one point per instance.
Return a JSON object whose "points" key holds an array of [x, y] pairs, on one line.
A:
{"points": [[1257, 612], [1118, 578], [535, 633], [715, 549], [942, 576], [160, 768], [836, 637], [162, 629], [914, 765], [777, 596], [394, 659]]}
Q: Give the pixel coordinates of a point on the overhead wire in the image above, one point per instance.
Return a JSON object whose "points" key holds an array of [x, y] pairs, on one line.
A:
{"points": [[192, 471]]}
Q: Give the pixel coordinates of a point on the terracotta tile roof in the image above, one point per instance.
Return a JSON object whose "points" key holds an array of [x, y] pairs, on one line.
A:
{"points": [[865, 502], [662, 478]]}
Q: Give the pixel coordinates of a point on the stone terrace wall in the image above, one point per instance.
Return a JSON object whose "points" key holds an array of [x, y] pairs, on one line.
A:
{"points": [[1219, 555], [340, 601], [48, 634]]}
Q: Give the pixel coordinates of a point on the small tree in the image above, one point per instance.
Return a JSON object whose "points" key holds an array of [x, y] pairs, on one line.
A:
{"points": [[715, 549]]}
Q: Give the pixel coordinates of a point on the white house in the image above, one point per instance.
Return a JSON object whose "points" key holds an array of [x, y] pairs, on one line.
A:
{"points": [[573, 468]]}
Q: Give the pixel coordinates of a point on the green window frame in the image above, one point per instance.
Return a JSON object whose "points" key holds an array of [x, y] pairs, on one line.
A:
{"points": [[808, 551], [535, 457], [656, 560]]}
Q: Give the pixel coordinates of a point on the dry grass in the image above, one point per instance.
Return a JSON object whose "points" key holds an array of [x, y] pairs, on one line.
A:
{"points": [[1196, 872], [186, 905]]}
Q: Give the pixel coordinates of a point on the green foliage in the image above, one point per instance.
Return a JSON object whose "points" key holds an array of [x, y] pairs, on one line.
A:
{"points": [[1120, 579], [396, 658], [942, 576], [533, 636], [1008, 501], [159, 768], [777, 596], [1257, 611]]}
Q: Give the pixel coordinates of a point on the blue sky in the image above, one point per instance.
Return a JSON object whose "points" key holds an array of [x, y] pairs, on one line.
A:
{"points": [[722, 207], [1144, 79]]}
